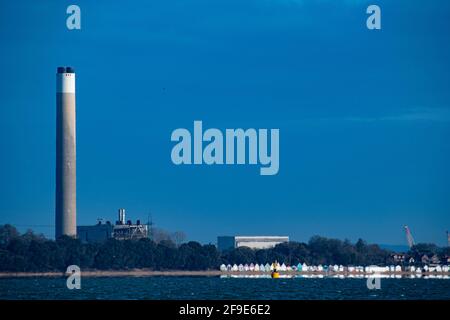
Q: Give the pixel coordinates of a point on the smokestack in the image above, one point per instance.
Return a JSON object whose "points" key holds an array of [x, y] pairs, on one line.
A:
{"points": [[122, 216], [65, 199]]}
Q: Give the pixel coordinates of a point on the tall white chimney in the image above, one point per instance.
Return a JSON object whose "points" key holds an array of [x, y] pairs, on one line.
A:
{"points": [[65, 200], [122, 216]]}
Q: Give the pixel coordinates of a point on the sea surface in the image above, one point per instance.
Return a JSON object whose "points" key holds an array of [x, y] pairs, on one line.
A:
{"points": [[222, 288]]}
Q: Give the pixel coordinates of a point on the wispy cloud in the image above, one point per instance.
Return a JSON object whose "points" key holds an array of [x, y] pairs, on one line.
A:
{"points": [[410, 115], [300, 2], [405, 116]]}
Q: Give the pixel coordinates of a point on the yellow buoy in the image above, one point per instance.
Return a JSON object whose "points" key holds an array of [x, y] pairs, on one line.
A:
{"points": [[275, 274]]}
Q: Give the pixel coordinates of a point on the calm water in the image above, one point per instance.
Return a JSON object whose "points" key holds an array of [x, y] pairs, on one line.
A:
{"points": [[218, 288]]}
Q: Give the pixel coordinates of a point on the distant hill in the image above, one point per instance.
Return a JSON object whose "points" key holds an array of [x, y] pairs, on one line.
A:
{"points": [[394, 247]]}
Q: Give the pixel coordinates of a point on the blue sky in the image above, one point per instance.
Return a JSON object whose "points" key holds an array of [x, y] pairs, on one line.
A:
{"points": [[364, 116]]}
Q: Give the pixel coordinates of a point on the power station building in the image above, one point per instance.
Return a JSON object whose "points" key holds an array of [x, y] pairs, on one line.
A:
{"points": [[98, 233], [122, 230], [66, 167], [254, 242]]}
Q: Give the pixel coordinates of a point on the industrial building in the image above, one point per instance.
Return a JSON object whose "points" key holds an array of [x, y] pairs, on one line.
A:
{"points": [[127, 230], [97, 233], [253, 242], [122, 230]]}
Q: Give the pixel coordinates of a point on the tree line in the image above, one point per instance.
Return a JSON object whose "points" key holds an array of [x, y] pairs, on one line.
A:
{"points": [[29, 252]]}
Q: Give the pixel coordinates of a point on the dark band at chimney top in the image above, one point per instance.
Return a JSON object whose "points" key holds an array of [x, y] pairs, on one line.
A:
{"points": [[65, 70]]}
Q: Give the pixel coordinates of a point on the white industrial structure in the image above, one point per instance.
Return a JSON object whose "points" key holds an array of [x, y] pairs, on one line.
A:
{"points": [[121, 216]]}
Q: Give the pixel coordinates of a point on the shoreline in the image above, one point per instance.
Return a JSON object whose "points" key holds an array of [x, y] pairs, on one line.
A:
{"points": [[113, 273], [204, 273]]}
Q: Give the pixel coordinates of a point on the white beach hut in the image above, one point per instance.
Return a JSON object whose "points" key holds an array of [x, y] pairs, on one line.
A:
{"points": [[246, 268], [235, 268], [223, 268], [369, 269], [256, 268], [268, 267], [251, 267], [241, 268], [262, 268], [283, 267]]}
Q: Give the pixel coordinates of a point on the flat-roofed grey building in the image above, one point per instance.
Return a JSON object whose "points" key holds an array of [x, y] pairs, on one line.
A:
{"points": [[253, 242], [96, 233]]}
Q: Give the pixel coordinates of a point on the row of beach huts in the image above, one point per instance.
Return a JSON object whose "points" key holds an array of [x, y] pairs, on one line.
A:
{"points": [[332, 268]]}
